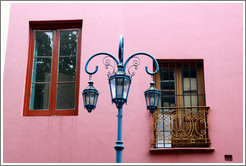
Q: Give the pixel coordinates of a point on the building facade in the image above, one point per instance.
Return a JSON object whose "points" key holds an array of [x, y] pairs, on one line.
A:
{"points": [[199, 48]]}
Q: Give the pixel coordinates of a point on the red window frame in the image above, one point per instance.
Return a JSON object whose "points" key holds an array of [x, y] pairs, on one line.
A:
{"points": [[55, 26]]}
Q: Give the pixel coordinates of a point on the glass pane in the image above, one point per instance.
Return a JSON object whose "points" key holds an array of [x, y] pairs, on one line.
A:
{"points": [[39, 96], [167, 93], [156, 99], [84, 99], [189, 79], [119, 86], [68, 43], [167, 85], [190, 99], [151, 99], [167, 74], [112, 86], [127, 82], [190, 84], [43, 43], [147, 98], [189, 73], [65, 97], [95, 101], [91, 101], [168, 101], [41, 70], [67, 69], [87, 99]]}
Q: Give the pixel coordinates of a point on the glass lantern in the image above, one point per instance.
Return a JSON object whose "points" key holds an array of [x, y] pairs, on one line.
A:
{"points": [[90, 96], [152, 97], [119, 87]]}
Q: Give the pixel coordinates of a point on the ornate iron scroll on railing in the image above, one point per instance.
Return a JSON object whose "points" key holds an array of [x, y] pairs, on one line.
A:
{"points": [[181, 127]]}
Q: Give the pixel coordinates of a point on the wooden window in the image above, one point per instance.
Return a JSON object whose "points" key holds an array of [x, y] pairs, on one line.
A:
{"points": [[181, 120], [52, 81]]}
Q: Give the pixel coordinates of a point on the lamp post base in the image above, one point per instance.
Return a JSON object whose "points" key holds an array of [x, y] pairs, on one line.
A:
{"points": [[119, 148]]}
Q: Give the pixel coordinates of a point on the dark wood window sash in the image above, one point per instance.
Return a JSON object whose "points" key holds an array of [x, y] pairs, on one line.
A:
{"points": [[178, 100]]}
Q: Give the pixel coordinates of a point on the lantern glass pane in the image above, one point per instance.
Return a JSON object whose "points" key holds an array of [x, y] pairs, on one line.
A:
{"points": [[119, 87], [156, 99], [95, 101], [147, 98], [87, 98], [112, 86], [84, 99], [91, 94], [126, 87], [152, 98]]}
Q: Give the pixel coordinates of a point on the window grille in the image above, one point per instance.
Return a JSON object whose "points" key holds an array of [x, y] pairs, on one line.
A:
{"points": [[181, 119]]}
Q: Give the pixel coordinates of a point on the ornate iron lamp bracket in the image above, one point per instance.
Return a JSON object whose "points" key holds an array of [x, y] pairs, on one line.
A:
{"points": [[136, 62], [97, 54]]}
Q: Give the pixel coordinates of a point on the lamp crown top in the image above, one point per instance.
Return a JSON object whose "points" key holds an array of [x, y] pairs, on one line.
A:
{"points": [[152, 86], [90, 82], [120, 66], [152, 83], [120, 70]]}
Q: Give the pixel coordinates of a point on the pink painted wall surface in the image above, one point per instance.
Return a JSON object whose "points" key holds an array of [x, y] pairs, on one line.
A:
{"points": [[213, 32]]}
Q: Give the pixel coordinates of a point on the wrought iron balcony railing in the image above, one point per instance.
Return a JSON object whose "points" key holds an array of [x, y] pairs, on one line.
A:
{"points": [[181, 127]]}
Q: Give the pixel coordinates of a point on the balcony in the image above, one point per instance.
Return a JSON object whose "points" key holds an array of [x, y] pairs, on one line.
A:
{"points": [[180, 127]]}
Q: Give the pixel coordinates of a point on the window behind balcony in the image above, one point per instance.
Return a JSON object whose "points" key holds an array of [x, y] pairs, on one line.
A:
{"points": [[181, 120]]}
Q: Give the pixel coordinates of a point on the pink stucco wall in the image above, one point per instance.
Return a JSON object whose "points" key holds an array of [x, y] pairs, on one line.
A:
{"points": [[213, 32]]}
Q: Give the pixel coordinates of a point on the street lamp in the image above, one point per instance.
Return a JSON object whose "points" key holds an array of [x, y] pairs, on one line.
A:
{"points": [[119, 83], [90, 95], [119, 87], [152, 97]]}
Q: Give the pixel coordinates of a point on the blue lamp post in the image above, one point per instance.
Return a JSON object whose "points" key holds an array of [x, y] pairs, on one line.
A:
{"points": [[119, 83]]}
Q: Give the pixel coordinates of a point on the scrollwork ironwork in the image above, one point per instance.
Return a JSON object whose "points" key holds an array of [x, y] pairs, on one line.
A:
{"points": [[135, 62], [107, 63], [134, 65], [182, 127], [146, 68], [100, 53]]}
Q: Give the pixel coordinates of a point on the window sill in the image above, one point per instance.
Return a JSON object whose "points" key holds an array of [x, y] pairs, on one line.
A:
{"points": [[179, 150]]}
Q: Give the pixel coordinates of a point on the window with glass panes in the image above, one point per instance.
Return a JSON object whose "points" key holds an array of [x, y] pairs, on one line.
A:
{"points": [[181, 119], [53, 68]]}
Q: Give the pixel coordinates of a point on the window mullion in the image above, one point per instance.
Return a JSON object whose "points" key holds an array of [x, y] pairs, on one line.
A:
{"points": [[179, 83], [54, 73]]}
